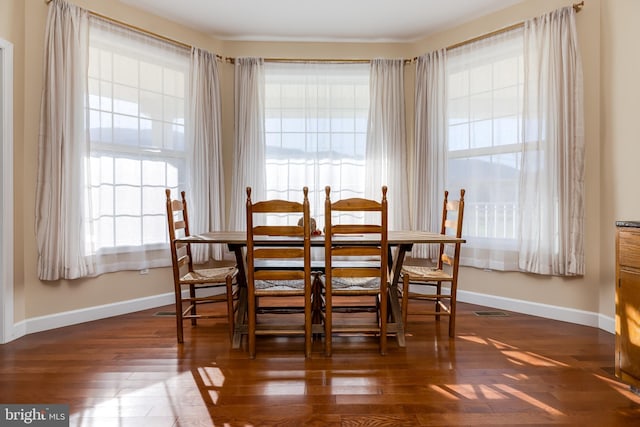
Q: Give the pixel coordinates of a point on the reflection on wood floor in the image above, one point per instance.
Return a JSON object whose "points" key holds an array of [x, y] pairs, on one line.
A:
{"points": [[500, 370]]}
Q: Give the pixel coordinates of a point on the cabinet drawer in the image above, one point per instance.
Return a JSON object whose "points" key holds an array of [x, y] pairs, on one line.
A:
{"points": [[629, 248]]}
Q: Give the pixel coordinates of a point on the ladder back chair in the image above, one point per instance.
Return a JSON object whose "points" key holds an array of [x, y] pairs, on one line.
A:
{"points": [[278, 269], [196, 282], [431, 278], [358, 270]]}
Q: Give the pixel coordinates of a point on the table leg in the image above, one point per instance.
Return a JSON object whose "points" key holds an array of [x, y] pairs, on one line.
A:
{"points": [[396, 324], [241, 313]]}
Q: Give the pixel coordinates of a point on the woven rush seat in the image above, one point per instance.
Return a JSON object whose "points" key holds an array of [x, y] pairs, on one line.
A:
{"points": [[280, 285], [425, 272], [215, 274], [354, 283]]}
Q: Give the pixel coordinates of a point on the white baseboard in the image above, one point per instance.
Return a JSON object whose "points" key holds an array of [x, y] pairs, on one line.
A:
{"points": [[68, 318], [74, 317], [564, 314]]}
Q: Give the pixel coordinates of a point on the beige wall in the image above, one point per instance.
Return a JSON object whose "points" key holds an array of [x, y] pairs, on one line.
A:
{"points": [[605, 184], [620, 133]]}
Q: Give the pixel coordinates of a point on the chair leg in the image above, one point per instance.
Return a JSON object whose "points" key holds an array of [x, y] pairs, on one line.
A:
{"points": [[192, 294], [438, 293], [328, 318], [452, 310], [251, 300], [230, 311], [405, 299], [179, 331], [384, 299], [452, 324], [308, 319]]}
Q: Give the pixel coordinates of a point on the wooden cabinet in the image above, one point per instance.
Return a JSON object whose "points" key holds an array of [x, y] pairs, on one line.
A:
{"points": [[627, 358]]}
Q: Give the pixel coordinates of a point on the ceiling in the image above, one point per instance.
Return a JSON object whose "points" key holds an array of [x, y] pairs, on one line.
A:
{"points": [[321, 20]]}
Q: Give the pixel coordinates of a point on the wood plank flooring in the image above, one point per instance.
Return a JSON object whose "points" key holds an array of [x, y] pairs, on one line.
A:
{"points": [[511, 370]]}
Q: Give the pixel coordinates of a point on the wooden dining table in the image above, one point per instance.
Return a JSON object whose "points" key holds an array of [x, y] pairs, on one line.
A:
{"points": [[400, 242]]}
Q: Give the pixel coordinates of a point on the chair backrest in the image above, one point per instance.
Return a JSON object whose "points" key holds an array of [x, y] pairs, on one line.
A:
{"points": [[353, 257], [178, 222], [452, 217], [274, 260]]}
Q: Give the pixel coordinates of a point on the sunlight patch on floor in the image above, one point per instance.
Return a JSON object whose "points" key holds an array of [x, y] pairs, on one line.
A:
{"points": [[493, 392], [211, 376], [529, 399], [476, 391], [474, 339], [532, 359]]}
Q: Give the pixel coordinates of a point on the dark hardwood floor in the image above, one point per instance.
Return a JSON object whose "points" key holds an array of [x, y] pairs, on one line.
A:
{"points": [[511, 370]]}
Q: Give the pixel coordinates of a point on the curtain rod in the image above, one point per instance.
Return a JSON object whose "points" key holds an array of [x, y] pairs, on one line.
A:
{"points": [[576, 6], [323, 60], [147, 32]]}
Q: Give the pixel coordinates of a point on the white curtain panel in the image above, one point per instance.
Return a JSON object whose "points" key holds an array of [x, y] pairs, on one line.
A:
{"points": [[123, 204], [484, 115], [206, 195], [63, 147], [386, 152], [430, 151], [552, 179], [249, 154], [316, 130]]}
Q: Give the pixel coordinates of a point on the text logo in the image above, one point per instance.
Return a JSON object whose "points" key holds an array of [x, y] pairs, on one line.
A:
{"points": [[34, 415]]}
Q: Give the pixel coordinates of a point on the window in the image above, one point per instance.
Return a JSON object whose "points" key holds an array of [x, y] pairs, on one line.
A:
{"points": [[136, 114], [484, 106], [316, 130]]}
